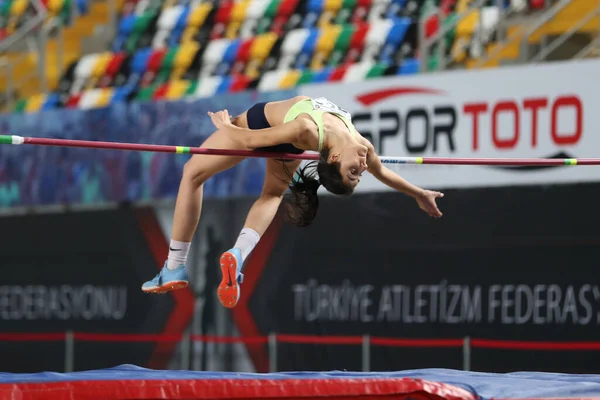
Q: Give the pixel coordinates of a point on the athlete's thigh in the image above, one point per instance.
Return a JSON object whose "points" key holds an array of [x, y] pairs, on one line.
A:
{"points": [[278, 176], [209, 165]]}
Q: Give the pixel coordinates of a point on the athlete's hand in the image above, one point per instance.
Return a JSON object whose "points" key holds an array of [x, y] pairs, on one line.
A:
{"points": [[426, 202], [221, 119]]}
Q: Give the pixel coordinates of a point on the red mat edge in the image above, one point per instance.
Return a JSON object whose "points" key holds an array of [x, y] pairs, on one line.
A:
{"points": [[234, 389]]}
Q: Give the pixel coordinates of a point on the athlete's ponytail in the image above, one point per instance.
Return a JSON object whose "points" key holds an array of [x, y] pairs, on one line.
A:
{"points": [[304, 203]]}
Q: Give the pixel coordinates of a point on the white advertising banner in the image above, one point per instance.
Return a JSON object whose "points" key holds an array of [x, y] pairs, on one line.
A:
{"points": [[549, 110]]}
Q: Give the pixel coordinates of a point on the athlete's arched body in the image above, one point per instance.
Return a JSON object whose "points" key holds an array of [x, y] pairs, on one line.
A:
{"points": [[290, 126]]}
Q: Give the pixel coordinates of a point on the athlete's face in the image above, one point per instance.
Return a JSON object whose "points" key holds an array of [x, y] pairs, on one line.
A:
{"points": [[353, 162]]}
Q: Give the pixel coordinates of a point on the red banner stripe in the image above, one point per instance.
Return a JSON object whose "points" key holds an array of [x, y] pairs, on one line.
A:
{"points": [[416, 342], [532, 345], [228, 339], [125, 337], [33, 337], [313, 339], [302, 339]]}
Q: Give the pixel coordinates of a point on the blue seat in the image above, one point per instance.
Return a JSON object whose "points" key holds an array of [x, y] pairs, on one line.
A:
{"points": [[307, 50], [121, 93], [139, 62], [52, 101], [394, 38], [314, 9], [126, 25], [395, 8], [322, 75], [224, 85], [231, 52], [179, 28], [409, 66], [83, 6]]}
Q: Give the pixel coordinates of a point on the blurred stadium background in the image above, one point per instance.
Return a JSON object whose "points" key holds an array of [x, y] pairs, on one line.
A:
{"points": [[506, 281]]}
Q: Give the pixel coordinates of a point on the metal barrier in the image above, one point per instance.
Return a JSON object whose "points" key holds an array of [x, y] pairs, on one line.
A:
{"points": [[272, 341]]}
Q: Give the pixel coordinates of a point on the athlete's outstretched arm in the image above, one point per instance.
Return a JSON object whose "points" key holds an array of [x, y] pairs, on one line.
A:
{"points": [[425, 198], [295, 132]]}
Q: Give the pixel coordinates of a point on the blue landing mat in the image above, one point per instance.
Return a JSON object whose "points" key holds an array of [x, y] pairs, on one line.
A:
{"points": [[486, 385]]}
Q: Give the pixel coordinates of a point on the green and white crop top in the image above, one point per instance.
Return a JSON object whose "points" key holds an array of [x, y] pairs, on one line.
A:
{"points": [[316, 108]]}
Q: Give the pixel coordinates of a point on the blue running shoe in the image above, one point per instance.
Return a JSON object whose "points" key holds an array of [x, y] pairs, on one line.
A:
{"points": [[231, 268], [167, 280]]}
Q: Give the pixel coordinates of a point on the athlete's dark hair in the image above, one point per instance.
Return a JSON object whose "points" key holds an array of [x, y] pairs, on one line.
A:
{"points": [[304, 202]]}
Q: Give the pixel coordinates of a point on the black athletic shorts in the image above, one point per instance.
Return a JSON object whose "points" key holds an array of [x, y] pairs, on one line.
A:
{"points": [[257, 120]]}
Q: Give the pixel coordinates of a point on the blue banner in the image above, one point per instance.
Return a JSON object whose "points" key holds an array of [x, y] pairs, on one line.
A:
{"points": [[37, 175]]}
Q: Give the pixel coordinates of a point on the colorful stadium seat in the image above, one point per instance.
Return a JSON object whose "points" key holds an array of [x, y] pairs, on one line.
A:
{"points": [[176, 48]]}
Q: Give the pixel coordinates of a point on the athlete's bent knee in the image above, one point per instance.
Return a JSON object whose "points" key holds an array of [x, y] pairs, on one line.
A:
{"points": [[194, 173]]}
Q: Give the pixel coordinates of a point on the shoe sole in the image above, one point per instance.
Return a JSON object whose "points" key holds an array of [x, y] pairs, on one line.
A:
{"points": [[228, 291], [167, 287]]}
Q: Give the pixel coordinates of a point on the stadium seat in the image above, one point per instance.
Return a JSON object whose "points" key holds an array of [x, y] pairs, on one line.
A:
{"points": [[112, 69], [307, 49], [325, 43], [197, 18], [154, 65], [208, 86], [229, 57], [99, 67], [236, 18], [260, 50], [89, 99], [283, 16], [213, 55], [52, 101], [408, 67], [104, 97], [180, 25], [34, 104], [183, 59], [166, 23], [338, 73], [357, 72], [278, 79], [121, 94], [240, 83], [83, 71], [291, 47], [254, 12], [168, 49], [356, 43], [221, 19], [393, 39]]}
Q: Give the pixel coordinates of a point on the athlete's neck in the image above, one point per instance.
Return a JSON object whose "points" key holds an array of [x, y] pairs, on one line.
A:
{"points": [[337, 141]]}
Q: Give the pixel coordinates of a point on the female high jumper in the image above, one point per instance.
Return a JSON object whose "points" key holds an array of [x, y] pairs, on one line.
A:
{"points": [[289, 126]]}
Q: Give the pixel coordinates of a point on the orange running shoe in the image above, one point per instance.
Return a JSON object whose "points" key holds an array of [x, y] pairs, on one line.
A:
{"points": [[229, 289]]}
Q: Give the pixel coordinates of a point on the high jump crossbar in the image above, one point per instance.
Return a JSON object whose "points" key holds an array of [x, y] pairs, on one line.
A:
{"points": [[17, 140]]}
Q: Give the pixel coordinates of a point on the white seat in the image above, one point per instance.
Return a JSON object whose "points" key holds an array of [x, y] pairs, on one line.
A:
{"points": [[86, 65], [291, 46], [378, 32], [83, 71], [213, 55], [357, 72], [159, 41], [271, 79], [487, 24], [168, 18], [208, 86], [378, 8], [255, 11], [89, 99]]}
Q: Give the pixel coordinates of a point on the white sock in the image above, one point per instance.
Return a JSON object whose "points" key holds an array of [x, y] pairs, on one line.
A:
{"points": [[247, 241], [178, 252]]}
